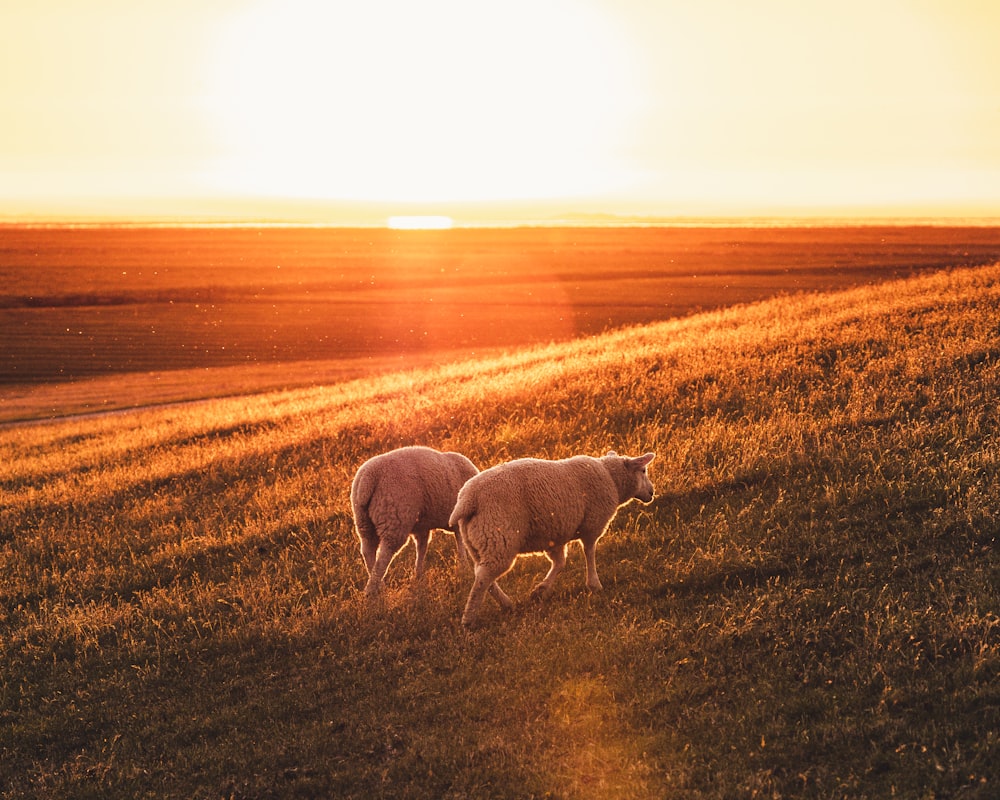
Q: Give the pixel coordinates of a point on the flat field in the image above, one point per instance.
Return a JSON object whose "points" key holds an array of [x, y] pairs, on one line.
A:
{"points": [[102, 317], [810, 607]]}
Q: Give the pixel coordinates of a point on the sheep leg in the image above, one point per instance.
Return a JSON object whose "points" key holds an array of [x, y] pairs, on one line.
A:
{"points": [[369, 547], [387, 550], [557, 555], [501, 596], [421, 540], [485, 581], [462, 556], [590, 551]]}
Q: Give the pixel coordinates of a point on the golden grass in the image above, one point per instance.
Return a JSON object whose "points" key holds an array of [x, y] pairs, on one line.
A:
{"points": [[810, 606]]}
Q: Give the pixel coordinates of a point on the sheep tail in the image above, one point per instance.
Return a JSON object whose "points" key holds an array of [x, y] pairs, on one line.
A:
{"points": [[362, 491], [465, 509]]}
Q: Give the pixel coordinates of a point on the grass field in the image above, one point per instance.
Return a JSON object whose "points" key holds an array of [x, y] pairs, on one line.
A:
{"points": [[809, 608], [171, 312]]}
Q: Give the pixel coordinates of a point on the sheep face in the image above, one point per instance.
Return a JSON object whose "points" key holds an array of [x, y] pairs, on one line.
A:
{"points": [[635, 468], [630, 475]]}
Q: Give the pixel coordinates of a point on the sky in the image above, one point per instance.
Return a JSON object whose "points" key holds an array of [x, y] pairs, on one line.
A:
{"points": [[525, 108]]}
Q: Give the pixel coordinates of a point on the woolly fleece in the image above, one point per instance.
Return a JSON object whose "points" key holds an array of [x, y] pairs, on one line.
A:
{"points": [[406, 492], [535, 506]]}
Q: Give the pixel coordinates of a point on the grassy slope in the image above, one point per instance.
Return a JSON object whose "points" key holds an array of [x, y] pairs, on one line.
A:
{"points": [[810, 606], [101, 318]]}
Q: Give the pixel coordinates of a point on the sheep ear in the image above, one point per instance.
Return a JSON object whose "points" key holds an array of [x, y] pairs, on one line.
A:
{"points": [[612, 453], [641, 461]]}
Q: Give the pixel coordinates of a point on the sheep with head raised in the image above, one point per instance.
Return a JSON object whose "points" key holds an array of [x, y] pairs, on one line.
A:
{"points": [[536, 506], [405, 492]]}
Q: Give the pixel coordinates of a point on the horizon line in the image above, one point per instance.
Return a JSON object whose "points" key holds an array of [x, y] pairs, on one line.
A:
{"points": [[569, 220]]}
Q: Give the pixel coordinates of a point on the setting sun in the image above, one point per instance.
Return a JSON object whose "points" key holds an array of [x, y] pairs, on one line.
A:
{"points": [[429, 102], [428, 222]]}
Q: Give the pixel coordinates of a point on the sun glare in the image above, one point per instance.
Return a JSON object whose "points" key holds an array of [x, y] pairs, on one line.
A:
{"points": [[436, 101], [414, 222]]}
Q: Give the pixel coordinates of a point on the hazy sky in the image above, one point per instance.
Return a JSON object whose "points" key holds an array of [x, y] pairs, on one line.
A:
{"points": [[618, 106]]}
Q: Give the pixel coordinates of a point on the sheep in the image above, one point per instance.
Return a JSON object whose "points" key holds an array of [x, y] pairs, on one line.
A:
{"points": [[405, 492], [536, 506]]}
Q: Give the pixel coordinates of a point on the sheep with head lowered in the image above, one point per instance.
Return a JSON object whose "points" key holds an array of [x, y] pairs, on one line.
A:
{"points": [[405, 492], [536, 506]]}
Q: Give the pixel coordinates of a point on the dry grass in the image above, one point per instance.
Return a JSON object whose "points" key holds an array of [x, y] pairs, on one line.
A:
{"points": [[809, 608]]}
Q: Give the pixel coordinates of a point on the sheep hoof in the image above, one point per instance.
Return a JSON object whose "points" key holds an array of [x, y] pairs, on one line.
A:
{"points": [[595, 587], [540, 592]]}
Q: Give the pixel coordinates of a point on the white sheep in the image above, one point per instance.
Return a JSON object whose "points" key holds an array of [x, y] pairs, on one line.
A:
{"points": [[536, 506], [402, 493]]}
